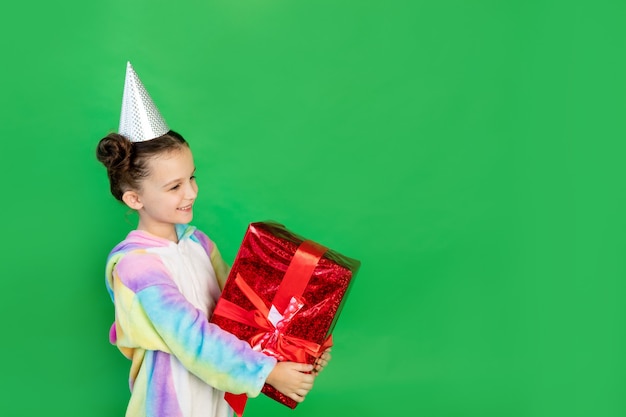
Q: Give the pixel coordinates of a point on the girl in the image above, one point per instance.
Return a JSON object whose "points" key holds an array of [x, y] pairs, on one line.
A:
{"points": [[165, 279]]}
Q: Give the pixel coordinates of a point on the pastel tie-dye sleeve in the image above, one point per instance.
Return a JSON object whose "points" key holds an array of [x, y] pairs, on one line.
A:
{"points": [[154, 315]]}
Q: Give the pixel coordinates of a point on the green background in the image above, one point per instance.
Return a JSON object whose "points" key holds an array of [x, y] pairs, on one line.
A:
{"points": [[469, 153]]}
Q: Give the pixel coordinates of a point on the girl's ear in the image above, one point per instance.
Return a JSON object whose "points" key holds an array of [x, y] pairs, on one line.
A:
{"points": [[132, 200]]}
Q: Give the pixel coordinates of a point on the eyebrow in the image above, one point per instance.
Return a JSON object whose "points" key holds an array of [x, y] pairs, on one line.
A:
{"points": [[172, 182]]}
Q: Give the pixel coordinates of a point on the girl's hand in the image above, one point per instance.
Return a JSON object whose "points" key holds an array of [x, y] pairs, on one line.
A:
{"points": [[292, 379], [321, 362]]}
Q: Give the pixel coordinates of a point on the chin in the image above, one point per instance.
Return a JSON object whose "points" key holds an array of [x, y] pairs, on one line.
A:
{"points": [[180, 218]]}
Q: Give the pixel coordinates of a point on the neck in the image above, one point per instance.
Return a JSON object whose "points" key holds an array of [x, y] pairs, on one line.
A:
{"points": [[166, 231]]}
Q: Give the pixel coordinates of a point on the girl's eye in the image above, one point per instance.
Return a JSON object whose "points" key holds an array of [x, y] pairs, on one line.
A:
{"points": [[193, 177], [176, 187]]}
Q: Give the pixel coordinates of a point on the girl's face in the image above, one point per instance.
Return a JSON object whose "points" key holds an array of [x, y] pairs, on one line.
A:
{"points": [[168, 193]]}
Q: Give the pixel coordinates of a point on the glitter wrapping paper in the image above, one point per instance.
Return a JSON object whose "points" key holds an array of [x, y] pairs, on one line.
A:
{"points": [[281, 273]]}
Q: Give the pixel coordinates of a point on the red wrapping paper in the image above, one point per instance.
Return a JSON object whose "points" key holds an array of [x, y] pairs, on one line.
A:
{"points": [[277, 271]]}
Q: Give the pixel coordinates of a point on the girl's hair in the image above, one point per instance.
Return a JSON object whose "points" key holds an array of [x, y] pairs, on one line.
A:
{"points": [[127, 162]]}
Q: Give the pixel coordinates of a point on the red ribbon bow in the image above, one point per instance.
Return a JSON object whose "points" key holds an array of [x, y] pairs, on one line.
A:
{"points": [[271, 338]]}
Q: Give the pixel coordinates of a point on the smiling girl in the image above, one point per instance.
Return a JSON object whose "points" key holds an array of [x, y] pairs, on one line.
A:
{"points": [[165, 278]]}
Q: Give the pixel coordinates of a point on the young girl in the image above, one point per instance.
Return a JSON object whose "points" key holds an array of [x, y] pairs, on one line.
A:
{"points": [[165, 279]]}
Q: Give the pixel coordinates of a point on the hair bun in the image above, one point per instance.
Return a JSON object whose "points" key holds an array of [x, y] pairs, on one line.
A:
{"points": [[114, 151]]}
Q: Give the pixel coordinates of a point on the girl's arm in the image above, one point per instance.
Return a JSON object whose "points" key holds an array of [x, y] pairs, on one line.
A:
{"points": [[154, 315]]}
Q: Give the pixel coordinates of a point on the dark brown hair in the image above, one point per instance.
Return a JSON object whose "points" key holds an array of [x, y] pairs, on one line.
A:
{"points": [[127, 162]]}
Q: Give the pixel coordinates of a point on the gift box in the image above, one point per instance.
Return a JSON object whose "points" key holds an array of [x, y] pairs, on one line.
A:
{"points": [[283, 295]]}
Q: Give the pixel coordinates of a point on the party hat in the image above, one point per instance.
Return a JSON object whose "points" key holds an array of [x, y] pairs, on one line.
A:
{"points": [[140, 119]]}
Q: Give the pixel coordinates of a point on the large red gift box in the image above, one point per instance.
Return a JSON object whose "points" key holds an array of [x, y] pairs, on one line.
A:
{"points": [[283, 295]]}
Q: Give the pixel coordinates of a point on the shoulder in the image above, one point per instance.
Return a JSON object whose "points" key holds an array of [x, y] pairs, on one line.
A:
{"points": [[203, 240], [139, 269]]}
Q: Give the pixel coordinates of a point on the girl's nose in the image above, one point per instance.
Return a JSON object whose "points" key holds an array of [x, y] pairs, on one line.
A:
{"points": [[191, 191]]}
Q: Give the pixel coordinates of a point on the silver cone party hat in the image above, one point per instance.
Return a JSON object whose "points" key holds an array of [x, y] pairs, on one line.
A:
{"points": [[140, 119]]}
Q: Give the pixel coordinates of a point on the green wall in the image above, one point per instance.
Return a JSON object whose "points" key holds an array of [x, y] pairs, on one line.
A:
{"points": [[469, 153]]}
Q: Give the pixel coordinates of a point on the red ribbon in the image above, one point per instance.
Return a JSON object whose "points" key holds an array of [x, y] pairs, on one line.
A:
{"points": [[287, 301], [270, 339]]}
